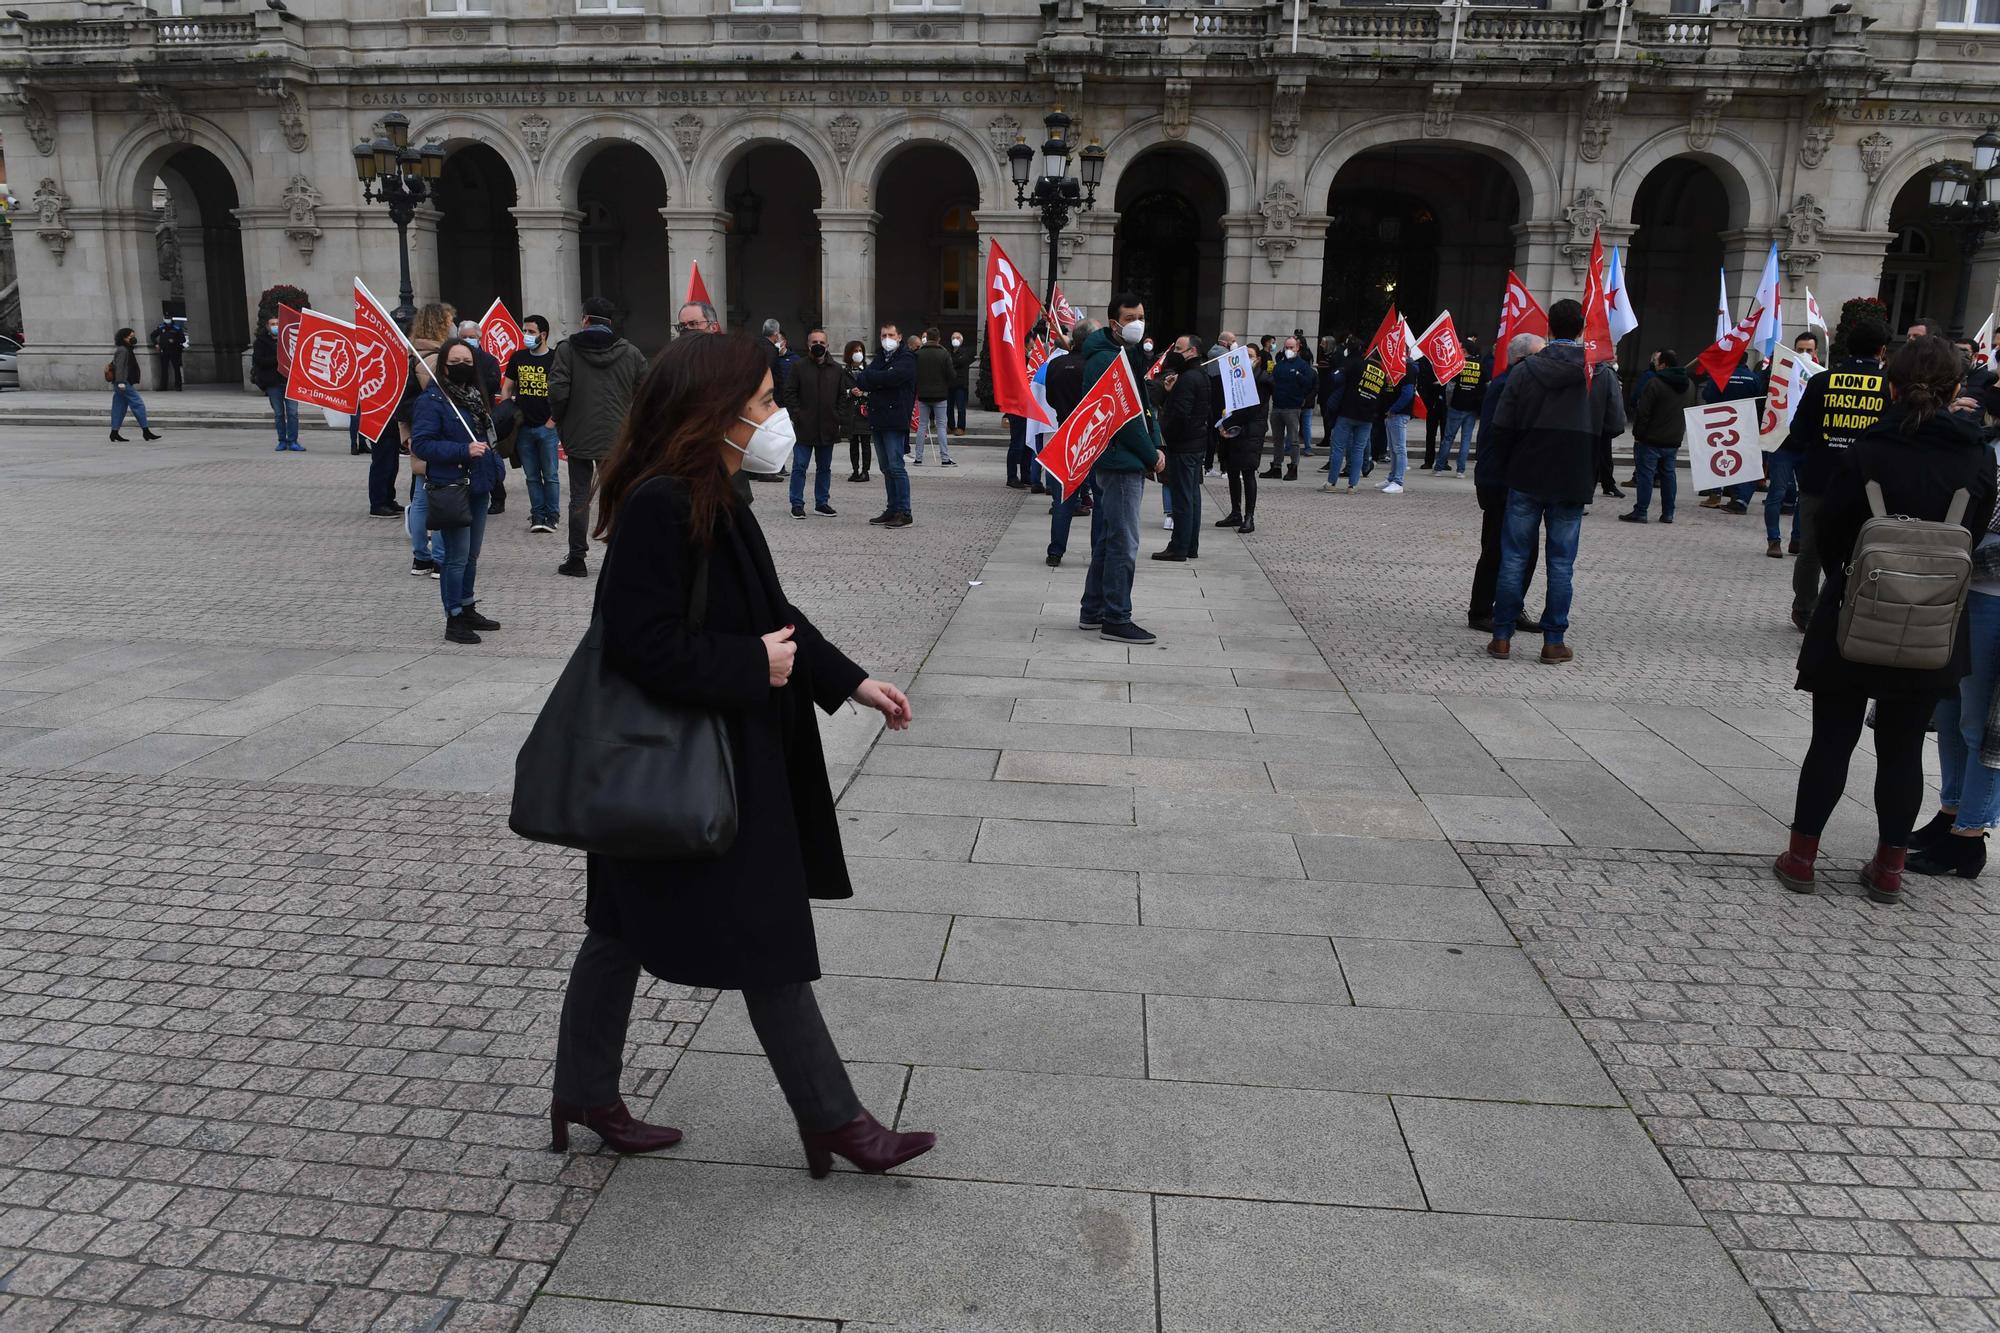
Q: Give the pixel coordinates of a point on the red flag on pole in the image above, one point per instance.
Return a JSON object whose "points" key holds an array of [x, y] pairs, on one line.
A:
{"points": [[1441, 347], [1519, 313], [288, 338], [1597, 344], [1011, 311], [1153, 371], [325, 372], [1719, 362], [697, 289], [1381, 338], [1074, 449], [1395, 352], [499, 334], [385, 368], [1063, 313]]}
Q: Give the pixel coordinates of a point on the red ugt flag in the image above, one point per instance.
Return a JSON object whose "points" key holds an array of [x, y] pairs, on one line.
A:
{"points": [[385, 366], [499, 335], [1011, 310], [1519, 313], [1441, 348], [1383, 335], [288, 338], [1073, 450], [325, 371], [1720, 361], [1064, 314]]}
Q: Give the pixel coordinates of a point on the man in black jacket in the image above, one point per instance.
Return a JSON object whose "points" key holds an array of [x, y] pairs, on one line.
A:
{"points": [[1489, 483], [591, 385], [1184, 414], [1836, 406], [813, 394], [963, 354], [1546, 427], [1465, 397], [890, 381]]}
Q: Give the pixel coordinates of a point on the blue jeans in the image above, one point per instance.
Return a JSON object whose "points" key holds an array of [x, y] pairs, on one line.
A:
{"points": [[930, 421], [1019, 458], [423, 545], [803, 454], [1784, 475], [461, 560], [536, 446], [1061, 512], [955, 416], [285, 413], [1459, 425], [1518, 534], [890, 446], [122, 397], [1397, 427], [1114, 548], [1305, 430], [1350, 442], [1656, 462], [1964, 783]]}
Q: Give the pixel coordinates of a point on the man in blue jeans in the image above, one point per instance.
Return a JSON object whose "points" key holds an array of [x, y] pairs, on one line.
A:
{"points": [[1545, 430], [1465, 395], [1365, 392], [1135, 452], [525, 379], [890, 381]]}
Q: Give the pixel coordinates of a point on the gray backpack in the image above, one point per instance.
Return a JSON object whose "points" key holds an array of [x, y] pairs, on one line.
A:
{"points": [[1906, 586]]}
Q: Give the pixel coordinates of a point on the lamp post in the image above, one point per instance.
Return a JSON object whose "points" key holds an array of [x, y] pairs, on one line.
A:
{"points": [[1966, 195], [402, 177], [1055, 192]]}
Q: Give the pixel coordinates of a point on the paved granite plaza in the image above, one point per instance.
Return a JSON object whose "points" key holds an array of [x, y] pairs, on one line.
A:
{"points": [[1303, 971]]}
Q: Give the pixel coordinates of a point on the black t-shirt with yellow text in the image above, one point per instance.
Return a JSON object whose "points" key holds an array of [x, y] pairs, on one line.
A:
{"points": [[1836, 406], [530, 373]]}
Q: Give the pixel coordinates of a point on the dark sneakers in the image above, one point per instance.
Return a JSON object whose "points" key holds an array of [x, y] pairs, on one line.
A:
{"points": [[420, 567], [826, 511], [574, 567], [1170, 554], [457, 631], [886, 517], [384, 511], [1126, 632], [469, 613], [1634, 517], [798, 511], [902, 520]]}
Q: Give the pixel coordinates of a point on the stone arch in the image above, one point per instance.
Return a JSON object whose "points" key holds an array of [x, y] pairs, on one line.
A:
{"points": [[1524, 158], [1745, 175], [570, 152], [455, 128], [1203, 137], [889, 138], [136, 159], [1919, 157], [708, 174]]}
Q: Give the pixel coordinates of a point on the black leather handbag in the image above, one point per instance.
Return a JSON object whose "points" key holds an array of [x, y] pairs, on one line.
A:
{"points": [[612, 769], [447, 505]]}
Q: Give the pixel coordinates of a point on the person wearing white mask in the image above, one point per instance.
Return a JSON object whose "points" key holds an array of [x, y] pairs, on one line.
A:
{"points": [[854, 421], [890, 383], [1136, 451], [692, 610], [963, 354]]}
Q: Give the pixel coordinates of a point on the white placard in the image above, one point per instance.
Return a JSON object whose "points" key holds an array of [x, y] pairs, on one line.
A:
{"points": [[1786, 381], [1722, 444]]}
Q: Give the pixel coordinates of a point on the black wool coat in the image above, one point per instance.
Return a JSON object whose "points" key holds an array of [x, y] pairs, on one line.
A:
{"points": [[744, 918], [1919, 473]]}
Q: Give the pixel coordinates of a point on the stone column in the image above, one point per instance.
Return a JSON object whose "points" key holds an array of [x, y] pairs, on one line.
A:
{"points": [[1242, 309], [1539, 261], [1020, 234], [700, 235], [1089, 272], [551, 279], [847, 269], [1307, 269], [1850, 265]]}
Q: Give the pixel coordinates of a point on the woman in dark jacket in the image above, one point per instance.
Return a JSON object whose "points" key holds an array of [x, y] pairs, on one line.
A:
{"points": [[854, 417], [264, 373], [1240, 450], [125, 384], [672, 505], [1921, 456], [451, 429]]}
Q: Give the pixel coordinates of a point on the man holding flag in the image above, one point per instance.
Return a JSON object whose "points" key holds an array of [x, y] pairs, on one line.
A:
{"points": [[1136, 451]]}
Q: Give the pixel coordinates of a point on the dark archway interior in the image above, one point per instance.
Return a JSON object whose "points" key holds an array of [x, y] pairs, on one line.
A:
{"points": [[211, 282], [1675, 263], [479, 249], [927, 244], [1921, 267], [774, 244], [624, 242], [1169, 242]]}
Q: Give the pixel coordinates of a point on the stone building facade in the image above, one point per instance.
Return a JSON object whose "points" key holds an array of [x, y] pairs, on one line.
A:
{"points": [[1272, 163]]}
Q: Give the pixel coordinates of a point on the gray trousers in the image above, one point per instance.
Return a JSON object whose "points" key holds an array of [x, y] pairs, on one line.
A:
{"points": [[1805, 569], [597, 1008], [1285, 436], [582, 473]]}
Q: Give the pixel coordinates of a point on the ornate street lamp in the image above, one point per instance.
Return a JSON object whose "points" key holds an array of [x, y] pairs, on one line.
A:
{"points": [[402, 177], [1055, 192], [1966, 195]]}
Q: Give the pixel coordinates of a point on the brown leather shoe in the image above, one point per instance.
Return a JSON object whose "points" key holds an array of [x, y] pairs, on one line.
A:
{"points": [[614, 1124], [1500, 648], [870, 1145], [1555, 654]]}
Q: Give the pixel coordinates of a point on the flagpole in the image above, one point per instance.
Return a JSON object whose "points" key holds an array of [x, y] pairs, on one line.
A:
{"points": [[418, 357]]}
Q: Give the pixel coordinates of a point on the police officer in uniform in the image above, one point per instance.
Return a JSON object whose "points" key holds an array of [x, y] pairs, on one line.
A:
{"points": [[1838, 404]]}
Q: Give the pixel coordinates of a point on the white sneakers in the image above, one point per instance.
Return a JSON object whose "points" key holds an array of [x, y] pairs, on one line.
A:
{"points": [[1168, 522], [1390, 488]]}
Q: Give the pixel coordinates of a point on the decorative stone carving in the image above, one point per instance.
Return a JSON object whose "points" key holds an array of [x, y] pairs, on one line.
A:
{"points": [[535, 136], [1585, 216], [302, 216], [687, 135], [1179, 107], [50, 203], [1875, 150], [292, 120], [1280, 208], [1804, 222], [172, 120], [1001, 132], [1707, 115], [1437, 113], [1600, 118], [845, 131], [1285, 112], [41, 126], [1812, 148]]}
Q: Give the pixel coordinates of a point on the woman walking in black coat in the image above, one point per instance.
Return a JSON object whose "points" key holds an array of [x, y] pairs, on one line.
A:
{"points": [[670, 494], [1240, 449], [1921, 456]]}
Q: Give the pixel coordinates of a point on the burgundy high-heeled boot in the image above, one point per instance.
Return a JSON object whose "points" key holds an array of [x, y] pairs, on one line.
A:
{"points": [[1883, 875], [614, 1124], [1795, 867], [870, 1145]]}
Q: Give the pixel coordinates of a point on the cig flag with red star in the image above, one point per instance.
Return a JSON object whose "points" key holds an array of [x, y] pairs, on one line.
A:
{"points": [[1074, 449], [325, 372], [1011, 310], [1519, 313], [499, 334], [385, 367]]}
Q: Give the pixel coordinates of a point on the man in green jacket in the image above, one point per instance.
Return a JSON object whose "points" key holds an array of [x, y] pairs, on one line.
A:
{"points": [[590, 386], [1135, 451]]}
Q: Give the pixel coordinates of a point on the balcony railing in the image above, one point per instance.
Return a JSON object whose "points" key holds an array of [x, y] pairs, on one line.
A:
{"points": [[1184, 20], [151, 38]]}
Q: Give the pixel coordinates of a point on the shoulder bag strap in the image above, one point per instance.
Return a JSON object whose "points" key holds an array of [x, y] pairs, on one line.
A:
{"points": [[1960, 498], [1876, 504]]}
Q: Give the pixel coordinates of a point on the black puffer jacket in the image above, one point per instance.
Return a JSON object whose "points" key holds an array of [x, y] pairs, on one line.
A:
{"points": [[1658, 418], [1549, 419]]}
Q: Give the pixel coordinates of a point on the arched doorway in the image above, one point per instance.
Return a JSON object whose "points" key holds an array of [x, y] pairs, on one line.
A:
{"points": [[623, 256], [1168, 246], [772, 194], [1423, 228], [1920, 267], [197, 268], [479, 249], [927, 270], [1675, 270]]}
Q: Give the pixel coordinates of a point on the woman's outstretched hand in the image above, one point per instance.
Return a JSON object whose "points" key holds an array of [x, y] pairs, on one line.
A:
{"points": [[887, 700]]}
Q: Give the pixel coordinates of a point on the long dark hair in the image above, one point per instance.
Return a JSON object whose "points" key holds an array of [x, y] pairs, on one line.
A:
{"points": [[1925, 373], [688, 400]]}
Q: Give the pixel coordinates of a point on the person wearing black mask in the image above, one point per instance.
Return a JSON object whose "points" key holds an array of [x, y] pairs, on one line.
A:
{"points": [[452, 431], [1184, 414], [816, 394], [123, 375]]}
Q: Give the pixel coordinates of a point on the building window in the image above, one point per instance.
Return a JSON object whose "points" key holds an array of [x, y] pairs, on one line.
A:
{"points": [[1906, 277], [459, 6], [763, 5], [926, 4], [1969, 13], [609, 7], [1690, 6], [958, 268]]}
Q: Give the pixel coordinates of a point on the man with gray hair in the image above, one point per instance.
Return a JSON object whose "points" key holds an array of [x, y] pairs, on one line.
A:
{"points": [[1490, 483], [696, 317]]}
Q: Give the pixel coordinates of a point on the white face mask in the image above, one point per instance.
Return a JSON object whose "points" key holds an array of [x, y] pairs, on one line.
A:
{"points": [[531, 341], [771, 442], [1149, 344], [1288, 353], [958, 342], [857, 358], [891, 344], [1133, 332]]}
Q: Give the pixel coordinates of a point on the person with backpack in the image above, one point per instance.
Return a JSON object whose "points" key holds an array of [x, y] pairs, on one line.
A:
{"points": [[1928, 470]]}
